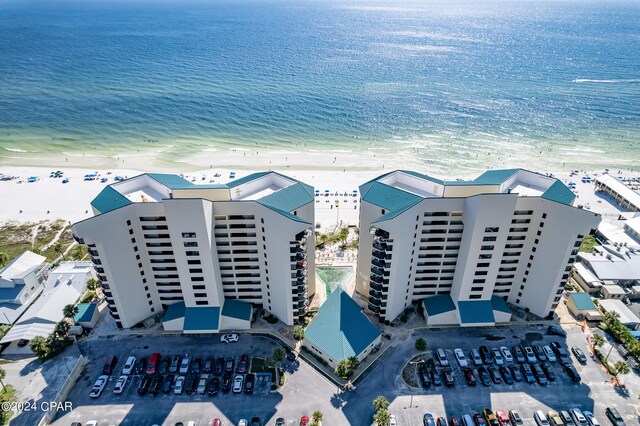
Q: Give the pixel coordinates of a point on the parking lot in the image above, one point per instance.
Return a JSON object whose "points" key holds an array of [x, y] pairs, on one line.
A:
{"points": [[307, 391]]}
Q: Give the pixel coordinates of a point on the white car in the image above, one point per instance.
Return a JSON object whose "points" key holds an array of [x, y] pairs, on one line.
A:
{"points": [[128, 366], [541, 418], [91, 423], [578, 418], [506, 353], [120, 384], [243, 422], [237, 383], [99, 385], [549, 353], [475, 356], [184, 365], [392, 420], [178, 385], [229, 338], [462, 361], [497, 356], [591, 418], [531, 356]]}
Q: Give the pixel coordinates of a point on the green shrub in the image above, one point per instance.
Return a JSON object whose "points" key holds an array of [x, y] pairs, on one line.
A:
{"points": [[421, 345]]}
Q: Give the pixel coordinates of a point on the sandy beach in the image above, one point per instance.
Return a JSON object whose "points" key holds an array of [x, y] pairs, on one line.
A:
{"points": [[49, 199]]}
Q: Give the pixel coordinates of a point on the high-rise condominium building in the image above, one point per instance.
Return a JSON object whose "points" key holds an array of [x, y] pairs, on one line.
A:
{"points": [[466, 248], [203, 255]]}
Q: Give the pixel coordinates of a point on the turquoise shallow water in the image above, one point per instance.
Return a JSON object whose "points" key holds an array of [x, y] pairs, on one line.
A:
{"points": [[458, 83], [334, 276]]}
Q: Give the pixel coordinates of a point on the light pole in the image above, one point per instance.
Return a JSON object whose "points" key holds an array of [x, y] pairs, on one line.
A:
{"points": [[411, 396]]}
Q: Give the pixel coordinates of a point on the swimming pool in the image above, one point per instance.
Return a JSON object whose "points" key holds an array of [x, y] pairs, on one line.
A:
{"points": [[334, 276]]}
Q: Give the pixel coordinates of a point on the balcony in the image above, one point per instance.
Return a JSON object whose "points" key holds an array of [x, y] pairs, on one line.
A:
{"points": [[374, 308], [379, 264], [301, 256], [374, 294], [375, 286], [302, 296], [300, 266], [375, 302], [93, 252], [375, 278], [301, 273], [377, 271], [380, 246], [378, 254]]}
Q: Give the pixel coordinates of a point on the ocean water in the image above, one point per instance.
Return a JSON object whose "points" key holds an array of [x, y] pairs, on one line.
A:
{"points": [[442, 84]]}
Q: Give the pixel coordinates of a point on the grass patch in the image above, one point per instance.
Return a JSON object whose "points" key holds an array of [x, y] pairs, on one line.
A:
{"points": [[409, 371], [18, 237], [588, 244], [88, 297], [9, 395], [260, 365]]}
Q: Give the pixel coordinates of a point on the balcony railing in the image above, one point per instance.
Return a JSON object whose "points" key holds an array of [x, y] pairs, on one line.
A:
{"points": [[378, 254], [374, 308], [377, 271], [380, 246], [378, 263], [375, 286]]}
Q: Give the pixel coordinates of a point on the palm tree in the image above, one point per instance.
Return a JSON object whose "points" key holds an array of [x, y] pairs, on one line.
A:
{"points": [[610, 317], [382, 418], [61, 329], [3, 374], [70, 311], [92, 284], [353, 362], [38, 345], [597, 341], [380, 403], [316, 417], [621, 367]]}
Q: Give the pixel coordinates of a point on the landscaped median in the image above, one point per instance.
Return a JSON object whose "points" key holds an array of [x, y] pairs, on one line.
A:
{"points": [[261, 365]]}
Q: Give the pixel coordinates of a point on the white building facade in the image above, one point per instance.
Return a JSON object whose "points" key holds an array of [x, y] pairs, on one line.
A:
{"points": [[158, 241], [465, 248]]}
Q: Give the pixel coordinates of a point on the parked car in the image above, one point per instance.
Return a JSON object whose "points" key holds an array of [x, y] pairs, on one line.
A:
{"points": [[614, 417], [109, 364], [237, 383], [467, 420], [190, 384], [163, 368], [442, 357], [249, 383], [243, 364], [120, 384], [175, 364], [556, 330], [425, 379], [178, 386], [475, 356], [506, 354], [141, 366], [490, 417], [551, 357], [540, 418], [441, 421], [143, 387], [561, 353], [447, 376], [185, 364], [566, 418], [527, 372], [156, 384], [255, 421], [454, 421], [478, 420], [554, 418], [540, 355], [503, 417], [226, 382], [529, 354], [515, 417], [229, 338], [228, 365], [304, 421], [218, 367], [98, 386], [485, 377], [578, 418], [518, 354], [168, 383], [506, 375], [580, 356], [485, 353], [515, 373], [214, 385], [462, 360], [196, 366], [548, 371], [291, 355], [208, 365], [470, 376], [153, 363], [591, 419], [572, 373], [435, 377], [428, 420], [539, 374], [280, 421], [202, 384], [497, 356], [128, 365], [495, 375]]}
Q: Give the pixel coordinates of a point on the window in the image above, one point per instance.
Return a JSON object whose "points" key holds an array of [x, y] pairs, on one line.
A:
{"points": [[128, 223], [195, 270], [190, 244], [475, 296], [491, 229], [488, 239], [488, 247], [188, 235], [193, 262], [130, 231], [192, 253], [197, 279], [544, 215], [477, 288], [479, 281]]}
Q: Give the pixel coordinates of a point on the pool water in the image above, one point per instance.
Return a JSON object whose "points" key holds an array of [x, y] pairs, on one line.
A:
{"points": [[334, 276]]}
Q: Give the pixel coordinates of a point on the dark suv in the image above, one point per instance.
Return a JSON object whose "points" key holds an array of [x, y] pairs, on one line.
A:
{"points": [[485, 353]]}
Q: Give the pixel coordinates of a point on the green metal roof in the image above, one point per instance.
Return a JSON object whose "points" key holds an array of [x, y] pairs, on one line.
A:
{"points": [[237, 309], [109, 199], [170, 180], [494, 177], [288, 199], [439, 304], [583, 301], [560, 193], [85, 312], [174, 311], [202, 318], [390, 198], [248, 178], [341, 329], [499, 304], [476, 311]]}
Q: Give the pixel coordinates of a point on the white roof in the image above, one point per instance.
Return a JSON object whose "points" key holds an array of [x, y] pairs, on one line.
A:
{"points": [[615, 233], [586, 275], [615, 305], [21, 265], [633, 224], [64, 286], [613, 289], [609, 264], [623, 190]]}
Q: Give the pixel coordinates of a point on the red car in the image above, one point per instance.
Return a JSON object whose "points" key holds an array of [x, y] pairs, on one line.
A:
{"points": [[304, 421], [503, 418], [217, 422], [153, 363], [454, 421]]}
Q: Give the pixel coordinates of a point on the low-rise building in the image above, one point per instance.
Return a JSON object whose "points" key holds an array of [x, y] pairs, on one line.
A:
{"points": [[613, 291], [626, 316], [20, 283], [341, 330], [610, 264], [581, 306]]}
